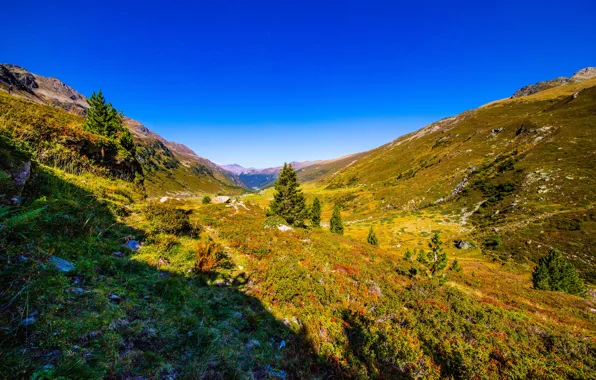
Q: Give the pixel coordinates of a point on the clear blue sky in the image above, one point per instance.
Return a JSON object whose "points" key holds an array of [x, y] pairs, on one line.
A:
{"points": [[262, 82]]}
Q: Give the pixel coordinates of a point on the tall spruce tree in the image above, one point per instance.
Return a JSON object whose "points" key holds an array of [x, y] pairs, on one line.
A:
{"points": [[372, 237], [288, 200], [315, 213], [336, 226], [555, 273]]}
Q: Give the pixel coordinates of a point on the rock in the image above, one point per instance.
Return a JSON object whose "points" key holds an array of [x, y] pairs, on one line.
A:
{"points": [[61, 264], [462, 244], [117, 254], [498, 130], [17, 201], [28, 321], [221, 199], [76, 290], [252, 343], [21, 174], [283, 228], [132, 245], [114, 297]]}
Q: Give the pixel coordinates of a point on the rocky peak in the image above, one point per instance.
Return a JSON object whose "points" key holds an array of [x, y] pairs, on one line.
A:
{"points": [[585, 74]]}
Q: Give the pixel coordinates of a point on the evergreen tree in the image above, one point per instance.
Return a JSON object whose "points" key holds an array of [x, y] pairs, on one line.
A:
{"points": [[436, 259], [372, 237], [555, 273], [104, 120], [315, 213], [206, 200], [288, 200], [336, 226]]}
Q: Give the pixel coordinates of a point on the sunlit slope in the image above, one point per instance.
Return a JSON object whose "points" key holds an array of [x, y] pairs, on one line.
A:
{"points": [[519, 173]]}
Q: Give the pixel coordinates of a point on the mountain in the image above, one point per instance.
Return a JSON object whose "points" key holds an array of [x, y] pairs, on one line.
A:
{"points": [[579, 76], [257, 179], [169, 167], [517, 173]]}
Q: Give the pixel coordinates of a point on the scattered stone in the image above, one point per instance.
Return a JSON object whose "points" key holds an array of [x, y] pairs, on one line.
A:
{"points": [[114, 297], [28, 321], [498, 130], [163, 199], [75, 290], [17, 201], [462, 244], [132, 245], [283, 228], [61, 264], [252, 343], [282, 344], [118, 254]]}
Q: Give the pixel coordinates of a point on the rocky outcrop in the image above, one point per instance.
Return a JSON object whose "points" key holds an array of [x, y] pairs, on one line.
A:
{"points": [[579, 76]]}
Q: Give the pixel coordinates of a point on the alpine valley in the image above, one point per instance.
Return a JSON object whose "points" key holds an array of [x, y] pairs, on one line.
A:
{"points": [[465, 249]]}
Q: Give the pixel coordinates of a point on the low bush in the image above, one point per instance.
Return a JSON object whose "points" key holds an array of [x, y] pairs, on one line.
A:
{"points": [[167, 218]]}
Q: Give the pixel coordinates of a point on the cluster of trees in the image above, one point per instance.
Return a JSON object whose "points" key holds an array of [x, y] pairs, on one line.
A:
{"points": [[555, 273], [289, 203]]}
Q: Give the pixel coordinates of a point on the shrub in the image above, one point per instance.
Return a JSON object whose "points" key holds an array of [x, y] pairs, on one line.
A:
{"points": [[167, 218], [555, 273], [208, 256], [372, 237], [206, 200]]}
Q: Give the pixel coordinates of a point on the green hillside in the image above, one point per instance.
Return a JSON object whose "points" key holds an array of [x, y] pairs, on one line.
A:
{"points": [[518, 171]]}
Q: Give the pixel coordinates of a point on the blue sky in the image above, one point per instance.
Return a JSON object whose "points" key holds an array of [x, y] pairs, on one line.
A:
{"points": [[263, 82]]}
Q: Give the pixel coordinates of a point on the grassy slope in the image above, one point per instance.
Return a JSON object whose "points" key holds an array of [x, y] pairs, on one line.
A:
{"points": [[545, 151]]}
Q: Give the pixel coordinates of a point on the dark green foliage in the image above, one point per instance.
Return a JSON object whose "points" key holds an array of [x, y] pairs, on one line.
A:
{"points": [[167, 218], [455, 266], [288, 200], [555, 273], [206, 200], [434, 260], [372, 237], [336, 226], [104, 120], [315, 213]]}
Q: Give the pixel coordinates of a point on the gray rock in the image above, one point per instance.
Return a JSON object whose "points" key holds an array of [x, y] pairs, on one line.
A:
{"points": [[114, 297], [462, 244], [118, 254], [76, 290], [61, 264], [133, 245], [28, 321], [21, 174]]}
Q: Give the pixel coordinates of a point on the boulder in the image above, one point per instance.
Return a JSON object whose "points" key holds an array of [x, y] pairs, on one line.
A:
{"points": [[462, 244], [284, 228], [21, 174], [61, 264]]}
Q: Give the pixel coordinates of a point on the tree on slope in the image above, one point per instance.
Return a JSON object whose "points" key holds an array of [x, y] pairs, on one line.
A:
{"points": [[103, 119], [336, 226], [288, 200], [555, 273], [372, 237], [315, 213]]}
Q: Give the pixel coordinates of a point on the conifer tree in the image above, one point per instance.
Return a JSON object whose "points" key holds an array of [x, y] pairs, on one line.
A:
{"points": [[103, 119], [288, 200], [315, 213], [436, 259], [555, 273], [372, 237], [336, 226]]}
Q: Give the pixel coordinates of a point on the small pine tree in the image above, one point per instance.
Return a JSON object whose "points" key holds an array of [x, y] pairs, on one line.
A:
{"points": [[336, 226], [315, 213], [555, 273], [288, 200], [372, 237], [455, 266], [437, 257], [409, 255], [206, 200]]}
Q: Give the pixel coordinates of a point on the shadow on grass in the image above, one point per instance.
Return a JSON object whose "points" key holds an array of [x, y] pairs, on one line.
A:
{"points": [[114, 316]]}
